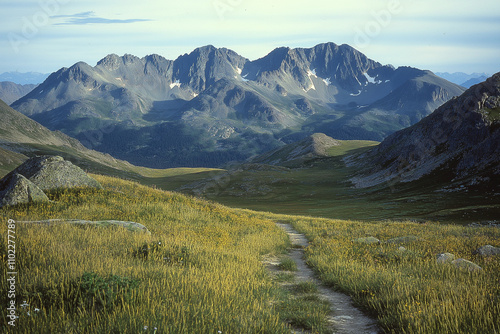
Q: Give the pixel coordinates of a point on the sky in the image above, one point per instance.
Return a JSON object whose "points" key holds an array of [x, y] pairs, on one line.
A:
{"points": [[437, 35]]}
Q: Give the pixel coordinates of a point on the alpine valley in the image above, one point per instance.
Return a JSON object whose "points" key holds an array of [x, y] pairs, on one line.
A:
{"points": [[332, 194], [213, 106]]}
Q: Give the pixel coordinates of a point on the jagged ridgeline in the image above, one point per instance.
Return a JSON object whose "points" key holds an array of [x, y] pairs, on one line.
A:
{"points": [[458, 144], [213, 106]]}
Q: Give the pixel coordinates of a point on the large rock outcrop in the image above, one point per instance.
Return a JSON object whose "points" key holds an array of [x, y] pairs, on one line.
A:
{"points": [[53, 172], [16, 189]]}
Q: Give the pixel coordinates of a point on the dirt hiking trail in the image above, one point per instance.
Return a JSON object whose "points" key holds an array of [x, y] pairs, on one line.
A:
{"points": [[345, 319]]}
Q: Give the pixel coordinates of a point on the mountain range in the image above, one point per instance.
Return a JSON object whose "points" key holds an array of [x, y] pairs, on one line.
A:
{"points": [[212, 105], [464, 79]]}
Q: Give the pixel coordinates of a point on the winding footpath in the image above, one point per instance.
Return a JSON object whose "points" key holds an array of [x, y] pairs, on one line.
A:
{"points": [[346, 319]]}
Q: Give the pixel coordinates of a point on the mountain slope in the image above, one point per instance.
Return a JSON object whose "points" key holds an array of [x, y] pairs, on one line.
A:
{"points": [[10, 92], [215, 106], [460, 141], [21, 137], [309, 149]]}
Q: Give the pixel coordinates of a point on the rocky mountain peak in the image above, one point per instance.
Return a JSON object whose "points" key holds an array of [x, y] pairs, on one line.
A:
{"points": [[334, 89], [462, 138], [111, 62]]}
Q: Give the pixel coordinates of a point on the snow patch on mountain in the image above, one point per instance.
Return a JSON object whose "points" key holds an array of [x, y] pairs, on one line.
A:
{"points": [[369, 78], [312, 73], [177, 83]]}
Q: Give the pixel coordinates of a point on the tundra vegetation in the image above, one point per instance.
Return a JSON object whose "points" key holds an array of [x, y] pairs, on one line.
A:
{"points": [[200, 270]]}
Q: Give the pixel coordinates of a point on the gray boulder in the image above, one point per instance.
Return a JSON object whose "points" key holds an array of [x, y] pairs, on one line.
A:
{"points": [[131, 226], [16, 189], [487, 250], [445, 258], [53, 172], [466, 265]]}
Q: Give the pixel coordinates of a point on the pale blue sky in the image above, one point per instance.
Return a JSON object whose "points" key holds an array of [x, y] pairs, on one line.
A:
{"points": [[439, 35]]}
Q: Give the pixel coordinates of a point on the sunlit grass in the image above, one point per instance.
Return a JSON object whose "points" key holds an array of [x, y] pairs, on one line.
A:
{"points": [[202, 272], [404, 287]]}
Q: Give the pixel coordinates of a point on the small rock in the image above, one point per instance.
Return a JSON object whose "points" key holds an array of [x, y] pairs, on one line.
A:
{"points": [[131, 226], [16, 189], [403, 240], [465, 264], [401, 249], [445, 258], [487, 250], [367, 240]]}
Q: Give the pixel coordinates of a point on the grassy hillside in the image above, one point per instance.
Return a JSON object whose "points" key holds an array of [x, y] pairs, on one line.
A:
{"points": [[200, 269], [198, 272], [400, 281]]}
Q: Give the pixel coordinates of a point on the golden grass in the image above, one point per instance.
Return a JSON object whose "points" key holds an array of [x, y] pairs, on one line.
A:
{"points": [[216, 282], [407, 289], [200, 271]]}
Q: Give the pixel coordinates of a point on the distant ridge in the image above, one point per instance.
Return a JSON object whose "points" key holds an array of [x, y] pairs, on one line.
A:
{"points": [[21, 137], [29, 78], [464, 79], [10, 92], [312, 147]]}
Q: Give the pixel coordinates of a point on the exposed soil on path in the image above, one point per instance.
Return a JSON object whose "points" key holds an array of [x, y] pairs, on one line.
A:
{"points": [[345, 317]]}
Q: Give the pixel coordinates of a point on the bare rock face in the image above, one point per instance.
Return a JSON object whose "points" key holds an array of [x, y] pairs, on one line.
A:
{"points": [[53, 172], [461, 138], [16, 189]]}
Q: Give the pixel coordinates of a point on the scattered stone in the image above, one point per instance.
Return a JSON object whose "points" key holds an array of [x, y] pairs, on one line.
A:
{"points": [[53, 172], [403, 240], [367, 240], [445, 258], [16, 189], [487, 250], [486, 223], [131, 226], [465, 264]]}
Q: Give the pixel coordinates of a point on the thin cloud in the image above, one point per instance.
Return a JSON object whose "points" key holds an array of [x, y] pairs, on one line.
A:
{"points": [[82, 14], [84, 18]]}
